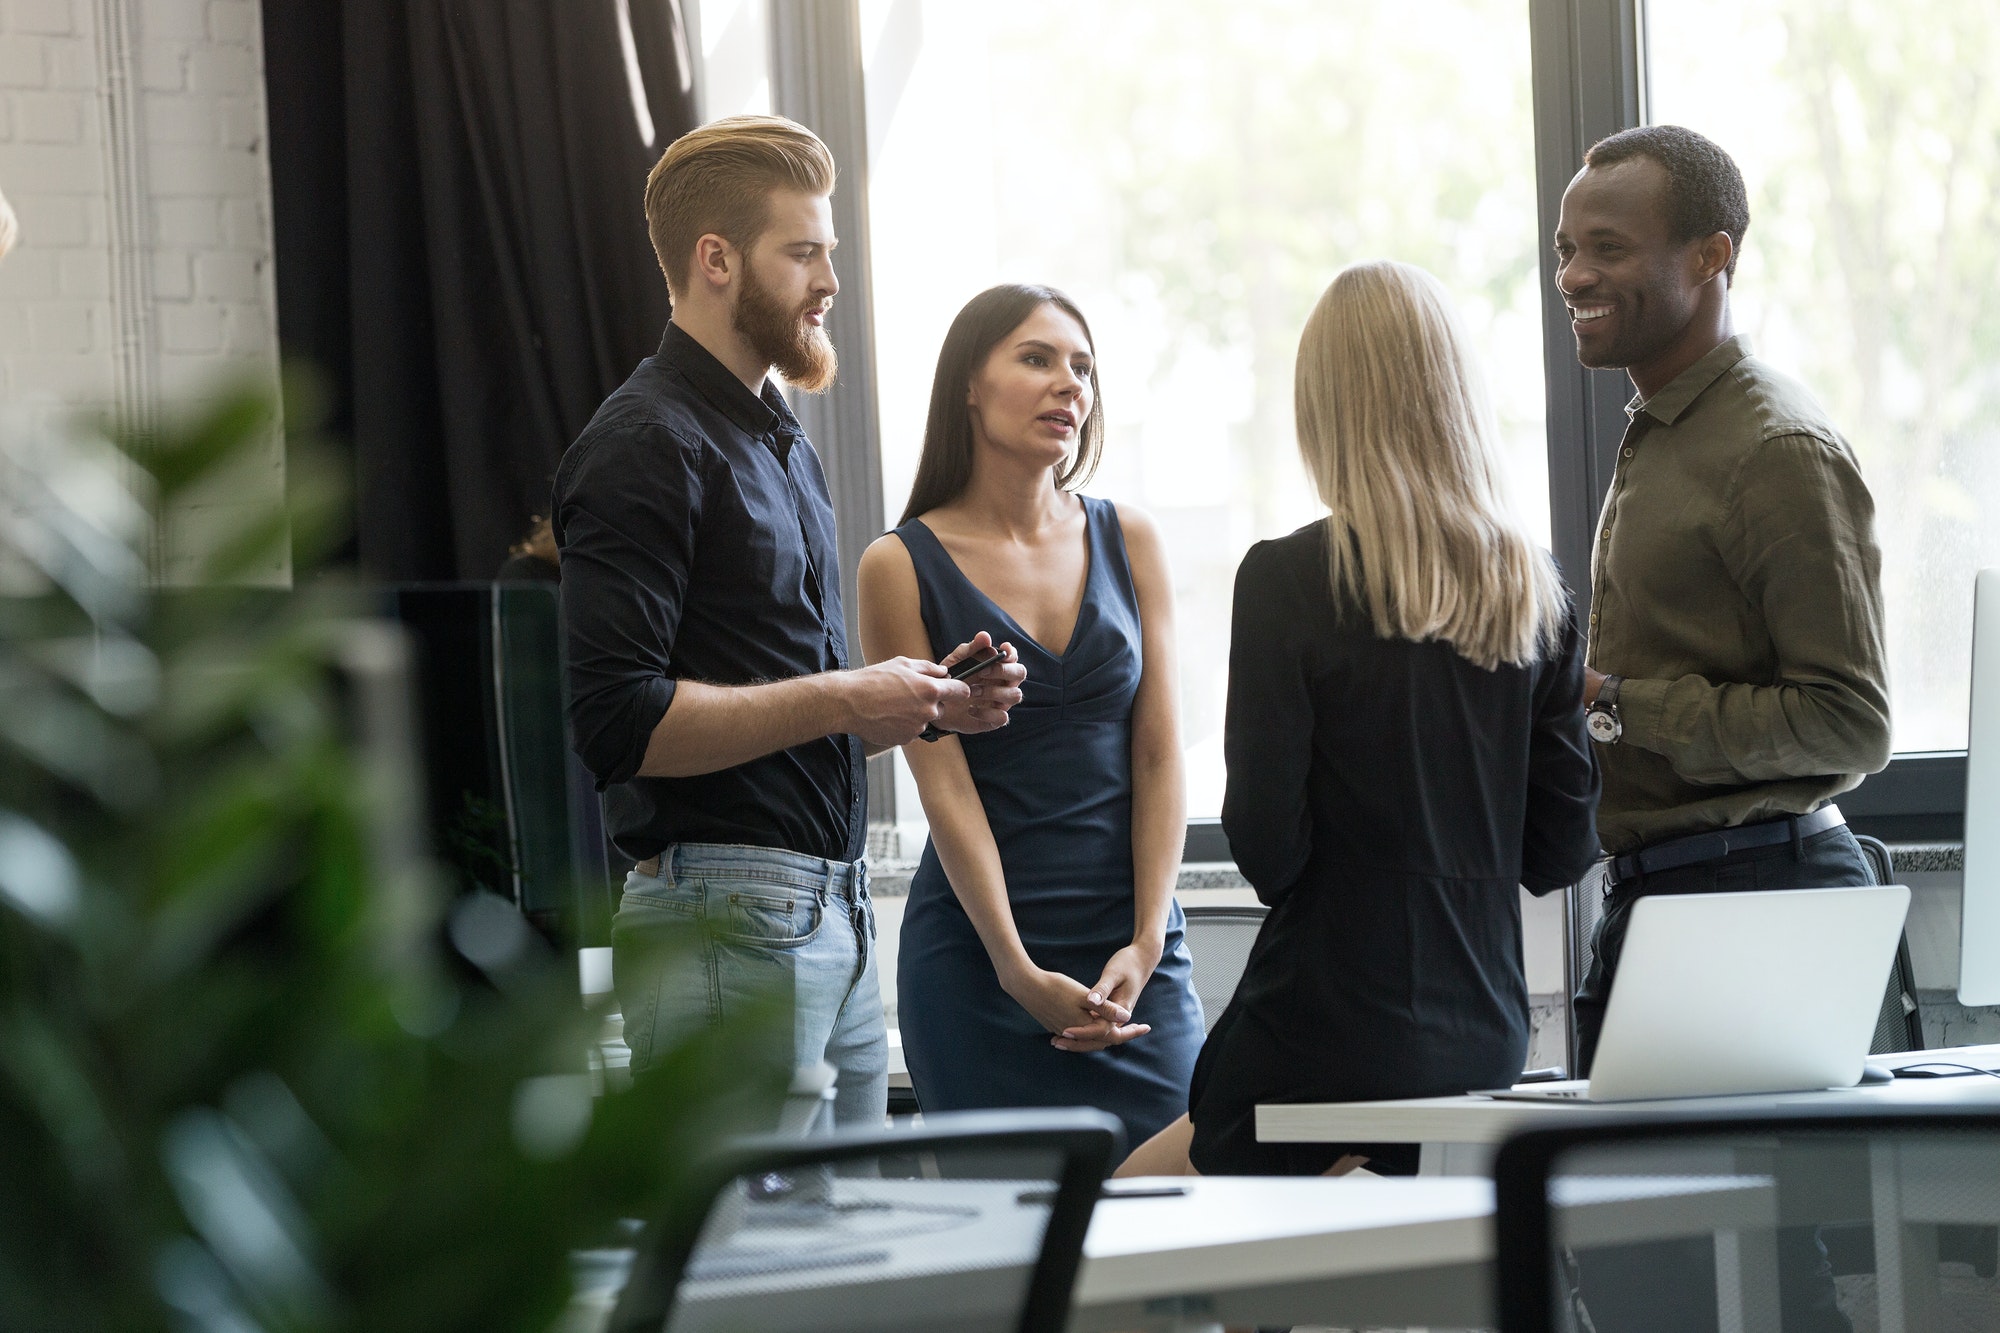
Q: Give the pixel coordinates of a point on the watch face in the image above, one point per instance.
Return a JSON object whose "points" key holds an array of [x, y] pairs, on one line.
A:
{"points": [[1602, 724]]}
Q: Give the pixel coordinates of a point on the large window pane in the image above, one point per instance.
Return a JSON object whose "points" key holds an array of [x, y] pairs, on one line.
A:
{"points": [[1869, 137], [1194, 174]]}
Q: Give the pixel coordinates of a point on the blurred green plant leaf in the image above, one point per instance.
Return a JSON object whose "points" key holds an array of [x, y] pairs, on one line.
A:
{"points": [[255, 1071]]}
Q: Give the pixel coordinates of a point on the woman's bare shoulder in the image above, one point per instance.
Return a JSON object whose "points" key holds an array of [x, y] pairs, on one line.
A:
{"points": [[886, 558]]}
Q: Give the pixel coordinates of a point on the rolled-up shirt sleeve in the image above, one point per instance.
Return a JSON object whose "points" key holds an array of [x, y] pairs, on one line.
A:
{"points": [[1800, 543], [627, 508], [1267, 734], [1559, 833]]}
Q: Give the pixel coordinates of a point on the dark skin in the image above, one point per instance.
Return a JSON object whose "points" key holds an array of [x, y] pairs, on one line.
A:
{"points": [[1640, 300]]}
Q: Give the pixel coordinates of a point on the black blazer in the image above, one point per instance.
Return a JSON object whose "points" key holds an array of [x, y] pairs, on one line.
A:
{"points": [[1385, 799]]}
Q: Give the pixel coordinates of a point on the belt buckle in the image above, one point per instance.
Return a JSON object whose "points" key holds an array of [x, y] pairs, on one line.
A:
{"points": [[1712, 846]]}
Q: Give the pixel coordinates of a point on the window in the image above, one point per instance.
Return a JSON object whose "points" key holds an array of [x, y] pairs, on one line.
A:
{"points": [[1869, 137], [1193, 174]]}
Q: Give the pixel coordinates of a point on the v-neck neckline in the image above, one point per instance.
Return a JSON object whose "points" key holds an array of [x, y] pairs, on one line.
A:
{"points": [[1082, 602]]}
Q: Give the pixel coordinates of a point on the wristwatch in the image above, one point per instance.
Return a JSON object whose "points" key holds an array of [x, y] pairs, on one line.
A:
{"points": [[932, 732], [1601, 718]]}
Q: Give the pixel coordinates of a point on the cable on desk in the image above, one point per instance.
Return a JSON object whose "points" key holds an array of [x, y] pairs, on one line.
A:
{"points": [[1942, 1069]]}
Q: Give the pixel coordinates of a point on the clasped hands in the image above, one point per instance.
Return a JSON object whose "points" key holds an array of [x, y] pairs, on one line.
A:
{"points": [[1087, 1018]]}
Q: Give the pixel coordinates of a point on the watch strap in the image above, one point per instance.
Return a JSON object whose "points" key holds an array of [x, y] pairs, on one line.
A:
{"points": [[1607, 693]]}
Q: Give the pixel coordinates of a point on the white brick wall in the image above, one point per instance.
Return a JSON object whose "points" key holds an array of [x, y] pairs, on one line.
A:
{"points": [[55, 318], [204, 229]]}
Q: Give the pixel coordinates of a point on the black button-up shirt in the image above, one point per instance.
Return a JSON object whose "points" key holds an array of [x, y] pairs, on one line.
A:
{"points": [[697, 543]]}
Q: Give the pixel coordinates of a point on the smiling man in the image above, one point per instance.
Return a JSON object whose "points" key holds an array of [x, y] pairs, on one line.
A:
{"points": [[709, 689], [1736, 680], [1735, 670]]}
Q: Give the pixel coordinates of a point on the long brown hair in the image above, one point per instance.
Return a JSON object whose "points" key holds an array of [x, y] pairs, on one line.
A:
{"points": [[945, 468], [1398, 434]]}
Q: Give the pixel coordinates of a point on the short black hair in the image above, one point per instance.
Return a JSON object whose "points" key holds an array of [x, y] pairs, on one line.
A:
{"points": [[1704, 188]]}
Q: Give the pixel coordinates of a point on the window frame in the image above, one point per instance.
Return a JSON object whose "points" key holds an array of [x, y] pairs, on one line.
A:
{"points": [[1588, 79]]}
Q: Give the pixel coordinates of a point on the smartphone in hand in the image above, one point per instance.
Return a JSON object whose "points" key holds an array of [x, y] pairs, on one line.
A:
{"points": [[972, 666]]}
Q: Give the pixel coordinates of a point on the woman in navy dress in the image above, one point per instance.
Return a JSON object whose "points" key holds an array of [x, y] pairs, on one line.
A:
{"points": [[1041, 961]]}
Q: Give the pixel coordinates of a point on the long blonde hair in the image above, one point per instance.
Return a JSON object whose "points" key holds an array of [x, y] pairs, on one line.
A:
{"points": [[1398, 434]]}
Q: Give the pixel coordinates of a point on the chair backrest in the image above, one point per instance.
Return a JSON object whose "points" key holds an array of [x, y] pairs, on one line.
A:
{"points": [[1900, 1025], [1218, 941], [974, 1221], [511, 807], [1728, 1222]]}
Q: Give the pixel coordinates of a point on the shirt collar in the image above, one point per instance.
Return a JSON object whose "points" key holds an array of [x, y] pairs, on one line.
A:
{"points": [[756, 414], [1667, 405]]}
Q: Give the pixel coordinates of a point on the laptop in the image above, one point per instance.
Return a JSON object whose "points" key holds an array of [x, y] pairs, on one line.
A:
{"points": [[1721, 994]]}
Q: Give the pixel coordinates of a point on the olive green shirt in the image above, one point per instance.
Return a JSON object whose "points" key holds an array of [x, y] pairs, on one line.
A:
{"points": [[1736, 585]]}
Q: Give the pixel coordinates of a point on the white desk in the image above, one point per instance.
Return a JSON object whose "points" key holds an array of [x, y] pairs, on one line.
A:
{"points": [[1246, 1250], [1353, 1252], [1459, 1134], [1356, 1252]]}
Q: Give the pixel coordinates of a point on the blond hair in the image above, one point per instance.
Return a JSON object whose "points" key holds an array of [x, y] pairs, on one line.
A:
{"points": [[719, 178], [1398, 434]]}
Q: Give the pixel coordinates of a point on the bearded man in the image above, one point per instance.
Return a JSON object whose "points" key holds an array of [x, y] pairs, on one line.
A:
{"points": [[709, 689]]}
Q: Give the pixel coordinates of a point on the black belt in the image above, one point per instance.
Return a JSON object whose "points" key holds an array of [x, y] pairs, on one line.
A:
{"points": [[1699, 847]]}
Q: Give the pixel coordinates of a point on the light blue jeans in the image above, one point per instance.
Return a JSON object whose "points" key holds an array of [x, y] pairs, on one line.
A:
{"points": [[779, 923]]}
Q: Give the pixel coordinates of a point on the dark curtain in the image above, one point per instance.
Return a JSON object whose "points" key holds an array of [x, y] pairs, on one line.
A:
{"points": [[461, 246]]}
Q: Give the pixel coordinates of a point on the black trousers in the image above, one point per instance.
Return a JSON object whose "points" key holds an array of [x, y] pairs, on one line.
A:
{"points": [[1832, 859], [1828, 860]]}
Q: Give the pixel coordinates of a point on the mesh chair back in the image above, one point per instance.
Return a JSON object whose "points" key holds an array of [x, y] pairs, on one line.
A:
{"points": [[1218, 941], [973, 1222], [1900, 1025], [1729, 1222]]}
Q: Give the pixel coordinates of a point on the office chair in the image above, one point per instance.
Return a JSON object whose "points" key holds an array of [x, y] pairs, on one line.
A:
{"points": [[1899, 1027], [973, 1222], [1703, 1222], [510, 806], [1218, 941]]}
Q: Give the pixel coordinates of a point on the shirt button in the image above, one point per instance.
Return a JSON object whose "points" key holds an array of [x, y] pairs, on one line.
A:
{"points": [[1628, 453], [1607, 534]]}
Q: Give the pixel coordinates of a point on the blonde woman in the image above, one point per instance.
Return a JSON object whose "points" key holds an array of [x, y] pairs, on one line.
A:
{"points": [[1405, 745]]}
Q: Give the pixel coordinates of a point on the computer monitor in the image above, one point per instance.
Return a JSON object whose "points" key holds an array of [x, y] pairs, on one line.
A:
{"points": [[1979, 915]]}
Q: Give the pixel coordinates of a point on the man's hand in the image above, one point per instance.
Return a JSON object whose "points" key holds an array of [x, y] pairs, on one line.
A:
{"points": [[1593, 681], [889, 703], [994, 691]]}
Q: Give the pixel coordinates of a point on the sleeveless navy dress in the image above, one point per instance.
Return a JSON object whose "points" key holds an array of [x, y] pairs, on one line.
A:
{"points": [[1056, 783]]}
